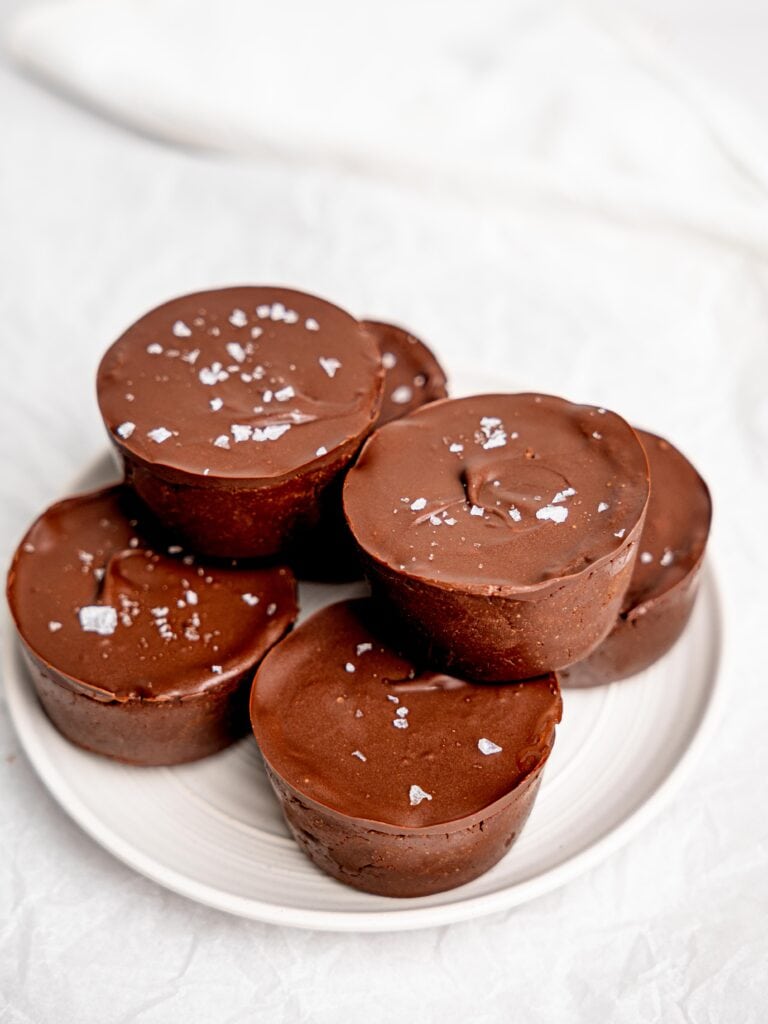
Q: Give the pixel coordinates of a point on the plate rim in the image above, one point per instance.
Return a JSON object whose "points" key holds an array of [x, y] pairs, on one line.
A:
{"points": [[25, 713]]}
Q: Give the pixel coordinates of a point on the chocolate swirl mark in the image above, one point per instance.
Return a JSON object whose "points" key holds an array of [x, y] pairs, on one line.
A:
{"points": [[509, 489], [512, 481]]}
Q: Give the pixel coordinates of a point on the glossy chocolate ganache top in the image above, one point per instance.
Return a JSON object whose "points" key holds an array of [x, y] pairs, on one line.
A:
{"points": [[413, 377], [676, 525], [346, 720], [497, 491], [98, 599], [240, 383]]}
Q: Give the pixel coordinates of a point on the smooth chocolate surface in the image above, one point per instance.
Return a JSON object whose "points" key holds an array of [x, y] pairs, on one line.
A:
{"points": [[377, 757], [114, 616], [497, 491], [413, 376], [664, 582], [246, 383], [502, 527]]}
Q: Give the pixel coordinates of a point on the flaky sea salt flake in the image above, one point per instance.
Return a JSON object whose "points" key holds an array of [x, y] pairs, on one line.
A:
{"points": [[568, 492], [180, 330], [238, 318], [241, 432], [418, 504], [236, 351], [125, 429], [556, 513], [416, 794], [272, 432], [486, 746], [97, 618], [159, 434], [329, 365], [250, 599]]}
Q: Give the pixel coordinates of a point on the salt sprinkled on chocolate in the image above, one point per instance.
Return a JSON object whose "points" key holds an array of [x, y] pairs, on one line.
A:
{"points": [[330, 365], [181, 330], [359, 755], [216, 404], [562, 495], [251, 599], [402, 395], [101, 619], [236, 351], [416, 794], [238, 318], [159, 434], [154, 349], [418, 504], [54, 626], [556, 513], [363, 648], [311, 324], [126, 429], [603, 506], [349, 667], [667, 558], [389, 360], [646, 557], [487, 747]]}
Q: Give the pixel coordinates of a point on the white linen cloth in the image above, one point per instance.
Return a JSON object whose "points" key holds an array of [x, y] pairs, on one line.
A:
{"points": [[533, 189]]}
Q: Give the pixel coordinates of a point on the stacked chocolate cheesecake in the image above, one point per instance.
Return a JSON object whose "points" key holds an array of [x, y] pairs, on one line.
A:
{"points": [[512, 542]]}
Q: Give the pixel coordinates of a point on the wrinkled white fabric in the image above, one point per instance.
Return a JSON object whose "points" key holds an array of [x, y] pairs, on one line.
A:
{"points": [[532, 189]]}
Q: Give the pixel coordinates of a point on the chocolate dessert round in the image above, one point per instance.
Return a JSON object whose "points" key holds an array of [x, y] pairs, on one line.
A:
{"points": [[503, 529], [393, 778], [234, 410], [665, 581], [413, 377], [138, 650]]}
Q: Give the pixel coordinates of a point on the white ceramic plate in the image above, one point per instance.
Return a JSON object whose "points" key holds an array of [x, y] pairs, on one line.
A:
{"points": [[213, 832]]}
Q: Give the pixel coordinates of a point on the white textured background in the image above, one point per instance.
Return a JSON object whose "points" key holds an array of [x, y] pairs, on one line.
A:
{"points": [[604, 236]]}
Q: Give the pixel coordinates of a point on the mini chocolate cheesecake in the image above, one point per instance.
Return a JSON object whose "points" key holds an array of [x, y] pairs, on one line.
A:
{"points": [[413, 376], [665, 581], [138, 650], [234, 410], [502, 528], [393, 778]]}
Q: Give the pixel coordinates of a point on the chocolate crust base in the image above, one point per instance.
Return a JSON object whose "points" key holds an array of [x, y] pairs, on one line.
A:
{"points": [[409, 863], [144, 732]]}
